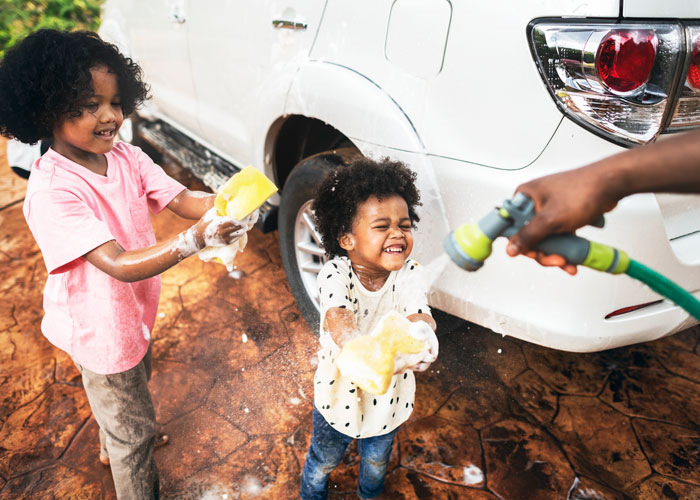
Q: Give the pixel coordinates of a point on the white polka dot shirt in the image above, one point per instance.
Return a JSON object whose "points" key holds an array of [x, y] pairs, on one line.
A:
{"points": [[346, 407]]}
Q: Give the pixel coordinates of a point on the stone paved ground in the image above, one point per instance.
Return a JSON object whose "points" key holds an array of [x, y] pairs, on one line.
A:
{"points": [[495, 418]]}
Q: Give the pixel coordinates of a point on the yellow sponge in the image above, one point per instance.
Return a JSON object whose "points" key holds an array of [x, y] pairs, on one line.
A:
{"points": [[243, 193], [369, 360]]}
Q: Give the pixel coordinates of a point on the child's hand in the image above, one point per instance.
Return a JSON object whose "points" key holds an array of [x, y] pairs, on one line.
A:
{"points": [[423, 331], [217, 231]]}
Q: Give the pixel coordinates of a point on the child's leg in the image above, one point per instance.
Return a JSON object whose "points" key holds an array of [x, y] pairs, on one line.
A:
{"points": [[374, 453], [123, 408], [325, 453], [104, 453]]}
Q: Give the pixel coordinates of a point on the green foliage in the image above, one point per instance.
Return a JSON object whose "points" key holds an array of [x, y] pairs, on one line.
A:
{"points": [[18, 18]]}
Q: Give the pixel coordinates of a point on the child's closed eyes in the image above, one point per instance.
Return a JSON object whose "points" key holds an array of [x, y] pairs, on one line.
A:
{"points": [[93, 107]]}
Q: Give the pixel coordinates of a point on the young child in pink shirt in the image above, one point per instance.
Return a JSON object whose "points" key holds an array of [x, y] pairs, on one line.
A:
{"points": [[87, 205]]}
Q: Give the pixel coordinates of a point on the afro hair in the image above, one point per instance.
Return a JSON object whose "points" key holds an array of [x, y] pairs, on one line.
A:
{"points": [[45, 78], [344, 188]]}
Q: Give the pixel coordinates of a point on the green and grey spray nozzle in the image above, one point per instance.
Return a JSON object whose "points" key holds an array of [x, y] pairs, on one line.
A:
{"points": [[470, 244]]}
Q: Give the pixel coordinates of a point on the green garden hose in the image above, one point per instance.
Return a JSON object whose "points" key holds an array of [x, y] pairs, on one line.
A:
{"points": [[664, 286]]}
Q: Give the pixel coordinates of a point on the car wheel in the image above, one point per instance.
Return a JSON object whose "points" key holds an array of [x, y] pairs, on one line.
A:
{"points": [[300, 242]]}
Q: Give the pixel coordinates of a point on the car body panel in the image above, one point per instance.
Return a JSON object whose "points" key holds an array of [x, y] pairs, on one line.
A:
{"points": [[159, 41], [219, 32], [472, 117], [434, 102]]}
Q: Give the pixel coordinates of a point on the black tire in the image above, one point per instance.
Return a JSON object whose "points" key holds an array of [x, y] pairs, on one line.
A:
{"points": [[302, 255]]}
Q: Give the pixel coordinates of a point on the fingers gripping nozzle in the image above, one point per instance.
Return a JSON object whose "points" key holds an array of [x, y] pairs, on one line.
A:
{"points": [[470, 244]]}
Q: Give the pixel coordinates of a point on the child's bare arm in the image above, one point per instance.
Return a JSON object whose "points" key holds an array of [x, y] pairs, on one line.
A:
{"points": [[192, 204], [340, 324], [143, 263]]}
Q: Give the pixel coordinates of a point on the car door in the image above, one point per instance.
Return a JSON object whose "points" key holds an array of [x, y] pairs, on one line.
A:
{"points": [[158, 36], [242, 53]]}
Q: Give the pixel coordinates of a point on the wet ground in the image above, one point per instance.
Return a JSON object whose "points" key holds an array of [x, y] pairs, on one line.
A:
{"points": [[495, 418]]}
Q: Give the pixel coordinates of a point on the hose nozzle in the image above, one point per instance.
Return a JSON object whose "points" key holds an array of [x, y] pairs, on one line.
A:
{"points": [[470, 244]]}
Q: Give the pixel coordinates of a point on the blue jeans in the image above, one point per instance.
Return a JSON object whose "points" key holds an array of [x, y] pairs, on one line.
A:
{"points": [[326, 451]]}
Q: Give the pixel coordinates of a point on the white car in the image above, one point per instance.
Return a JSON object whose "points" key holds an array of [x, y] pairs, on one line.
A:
{"points": [[477, 97]]}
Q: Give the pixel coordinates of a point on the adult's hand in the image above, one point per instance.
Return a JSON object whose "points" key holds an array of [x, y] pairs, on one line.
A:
{"points": [[564, 202], [569, 200]]}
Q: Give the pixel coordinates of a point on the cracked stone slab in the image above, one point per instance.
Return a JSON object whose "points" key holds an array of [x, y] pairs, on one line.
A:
{"points": [[23, 381], [672, 450], [479, 404], [524, 462], [263, 468], [443, 450], [658, 487], [260, 400], [57, 481], [585, 488], [536, 396], [210, 439], [568, 372], [406, 484], [35, 435], [230, 347], [608, 451], [178, 389], [673, 400]]}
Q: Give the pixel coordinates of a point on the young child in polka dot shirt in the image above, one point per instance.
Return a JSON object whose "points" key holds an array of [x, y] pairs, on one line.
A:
{"points": [[365, 213]]}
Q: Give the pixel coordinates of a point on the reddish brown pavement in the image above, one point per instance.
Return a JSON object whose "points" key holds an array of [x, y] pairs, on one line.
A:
{"points": [[495, 418]]}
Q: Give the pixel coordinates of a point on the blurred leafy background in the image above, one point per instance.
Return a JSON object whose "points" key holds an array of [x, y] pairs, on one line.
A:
{"points": [[18, 18]]}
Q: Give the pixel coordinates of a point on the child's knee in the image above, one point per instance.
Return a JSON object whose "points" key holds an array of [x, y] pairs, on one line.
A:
{"points": [[377, 462]]}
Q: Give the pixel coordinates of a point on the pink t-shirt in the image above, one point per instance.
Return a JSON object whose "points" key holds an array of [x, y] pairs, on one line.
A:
{"points": [[103, 323]]}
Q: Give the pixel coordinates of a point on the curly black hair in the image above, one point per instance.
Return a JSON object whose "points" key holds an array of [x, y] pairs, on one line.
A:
{"points": [[45, 77], [344, 188]]}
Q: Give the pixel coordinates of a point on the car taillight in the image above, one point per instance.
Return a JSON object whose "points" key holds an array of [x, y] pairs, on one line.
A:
{"points": [[694, 66], [687, 112], [614, 79], [625, 58]]}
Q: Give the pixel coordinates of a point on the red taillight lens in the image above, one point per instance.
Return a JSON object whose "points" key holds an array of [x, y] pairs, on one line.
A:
{"points": [[625, 59], [694, 68]]}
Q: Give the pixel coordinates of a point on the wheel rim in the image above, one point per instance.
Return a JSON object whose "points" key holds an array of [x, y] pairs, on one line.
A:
{"points": [[307, 249]]}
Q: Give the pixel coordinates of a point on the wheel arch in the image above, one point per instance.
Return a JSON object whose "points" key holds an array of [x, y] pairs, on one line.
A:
{"points": [[296, 137], [321, 113]]}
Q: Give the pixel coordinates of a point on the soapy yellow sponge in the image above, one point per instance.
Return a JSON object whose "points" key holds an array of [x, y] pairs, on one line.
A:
{"points": [[369, 360], [244, 192]]}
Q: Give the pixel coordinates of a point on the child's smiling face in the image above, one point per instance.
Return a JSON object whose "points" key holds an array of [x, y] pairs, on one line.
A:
{"points": [[94, 130], [381, 239]]}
